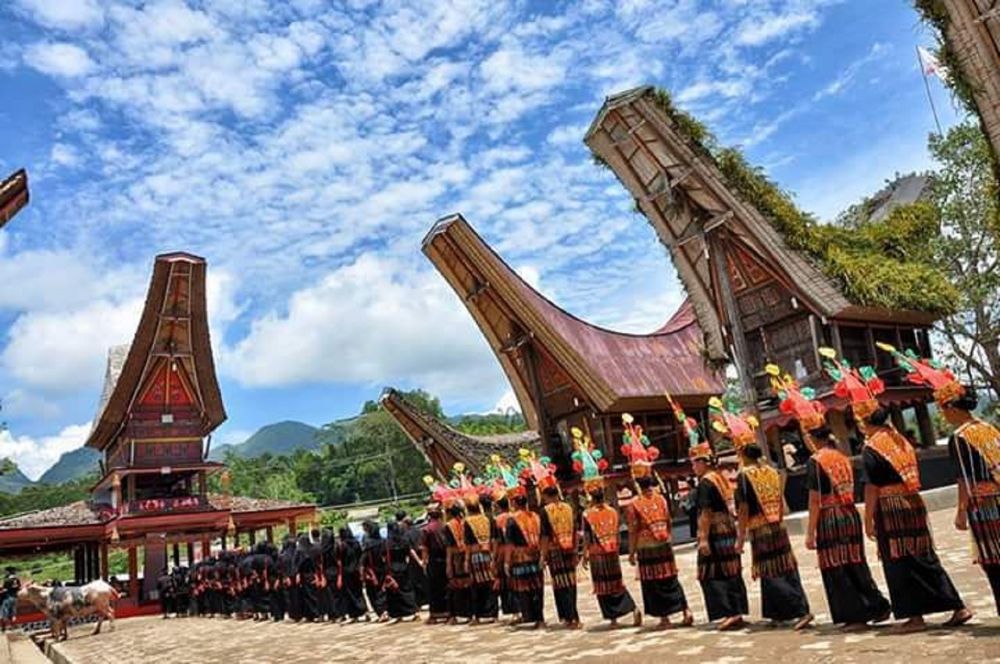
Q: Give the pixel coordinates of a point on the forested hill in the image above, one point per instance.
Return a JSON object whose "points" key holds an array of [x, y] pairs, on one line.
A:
{"points": [[276, 439]]}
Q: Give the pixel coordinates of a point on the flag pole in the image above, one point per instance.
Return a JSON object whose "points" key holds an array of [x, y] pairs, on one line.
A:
{"points": [[927, 87]]}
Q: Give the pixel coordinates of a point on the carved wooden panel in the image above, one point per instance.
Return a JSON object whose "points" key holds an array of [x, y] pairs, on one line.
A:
{"points": [[550, 377], [167, 453]]}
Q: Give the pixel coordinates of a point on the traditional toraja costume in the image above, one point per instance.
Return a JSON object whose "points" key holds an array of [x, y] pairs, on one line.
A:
{"points": [[760, 504], [601, 535], [457, 562], [524, 558], [558, 537], [917, 583], [480, 536], [720, 568], [434, 548], [649, 524], [495, 475], [851, 592], [975, 450]]}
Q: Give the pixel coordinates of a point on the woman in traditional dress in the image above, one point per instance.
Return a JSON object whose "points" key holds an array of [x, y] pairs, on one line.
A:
{"points": [[835, 532], [720, 569], [459, 578], [308, 577], [559, 544], [434, 554], [834, 528], [508, 599], [373, 565], [350, 584], [975, 450], [480, 533], [895, 513], [760, 501], [601, 538], [524, 562], [401, 600]]}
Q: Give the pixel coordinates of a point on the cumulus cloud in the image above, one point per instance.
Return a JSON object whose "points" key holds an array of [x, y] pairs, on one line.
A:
{"points": [[59, 59], [35, 455], [63, 14], [370, 322]]}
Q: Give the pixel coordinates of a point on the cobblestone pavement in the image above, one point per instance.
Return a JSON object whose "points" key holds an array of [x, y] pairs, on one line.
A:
{"points": [[151, 640]]}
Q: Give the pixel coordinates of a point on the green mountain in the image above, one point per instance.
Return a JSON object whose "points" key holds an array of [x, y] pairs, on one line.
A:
{"points": [[13, 480], [72, 466], [276, 439]]}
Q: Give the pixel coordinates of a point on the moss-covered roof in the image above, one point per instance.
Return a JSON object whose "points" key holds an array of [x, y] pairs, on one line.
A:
{"points": [[876, 264]]}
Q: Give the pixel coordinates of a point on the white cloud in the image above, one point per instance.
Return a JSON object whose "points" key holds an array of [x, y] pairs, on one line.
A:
{"points": [[374, 322], [63, 14], [758, 30], [36, 455], [64, 155], [63, 351], [59, 59]]}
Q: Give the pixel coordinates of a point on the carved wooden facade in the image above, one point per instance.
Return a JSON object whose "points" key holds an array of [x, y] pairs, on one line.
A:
{"points": [[757, 300]]}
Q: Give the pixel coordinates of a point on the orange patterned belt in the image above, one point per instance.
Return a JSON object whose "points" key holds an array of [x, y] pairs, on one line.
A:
{"points": [[834, 500], [985, 489], [896, 490]]}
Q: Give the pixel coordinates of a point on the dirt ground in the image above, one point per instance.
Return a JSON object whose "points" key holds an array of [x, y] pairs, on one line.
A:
{"points": [[152, 640]]}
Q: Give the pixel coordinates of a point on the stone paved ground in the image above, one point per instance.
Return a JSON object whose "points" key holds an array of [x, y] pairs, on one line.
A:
{"points": [[150, 640]]}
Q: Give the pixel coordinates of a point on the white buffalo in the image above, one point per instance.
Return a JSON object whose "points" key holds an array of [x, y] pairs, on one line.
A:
{"points": [[64, 603]]}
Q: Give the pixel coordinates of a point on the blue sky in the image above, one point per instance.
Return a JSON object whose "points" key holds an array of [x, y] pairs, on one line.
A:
{"points": [[305, 147]]}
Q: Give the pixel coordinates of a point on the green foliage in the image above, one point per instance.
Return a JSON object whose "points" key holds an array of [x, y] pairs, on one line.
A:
{"points": [[877, 264], [966, 193], [492, 424]]}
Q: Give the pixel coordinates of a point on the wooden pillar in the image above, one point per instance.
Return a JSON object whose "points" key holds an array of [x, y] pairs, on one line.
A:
{"points": [[133, 574], [896, 413], [177, 554], [925, 425], [206, 549], [201, 483], [252, 537], [223, 540], [236, 539], [269, 533], [78, 564], [130, 486], [104, 561]]}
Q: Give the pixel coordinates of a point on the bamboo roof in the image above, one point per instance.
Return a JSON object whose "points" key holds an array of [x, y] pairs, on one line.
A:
{"points": [[681, 190], [173, 324], [611, 369], [426, 431], [13, 195], [971, 31]]}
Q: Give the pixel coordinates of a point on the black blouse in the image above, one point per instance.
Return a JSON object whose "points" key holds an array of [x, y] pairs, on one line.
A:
{"points": [[745, 494], [878, 471], [709, 498], [966, 458]]}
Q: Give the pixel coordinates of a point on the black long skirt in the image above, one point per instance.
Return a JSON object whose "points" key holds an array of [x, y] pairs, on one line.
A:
{"points": [[566, 604], [852, 594], [508, 598], [460, 602], [351, 596], [308, 598], [663, 597], [401, 602], [484, 601], [437, 587], [276, 603], [725, 597], [292, 604], [376, 598], [782, 597], [532, 603], [918, 585], [615, 606], [993, 574]]}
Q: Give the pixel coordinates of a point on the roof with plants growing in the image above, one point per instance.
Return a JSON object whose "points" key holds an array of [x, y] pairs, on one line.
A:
{"points": [[687, 185]]}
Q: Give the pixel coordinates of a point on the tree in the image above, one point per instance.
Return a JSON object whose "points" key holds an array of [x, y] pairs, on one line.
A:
{"points": [[965, 194]]}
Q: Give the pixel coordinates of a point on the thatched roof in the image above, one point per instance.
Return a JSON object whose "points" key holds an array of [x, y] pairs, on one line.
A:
{"points": [[444, 445]]}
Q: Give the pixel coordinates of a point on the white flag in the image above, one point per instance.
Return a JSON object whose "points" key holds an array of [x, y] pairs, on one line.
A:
{"points": [[931, 65]]}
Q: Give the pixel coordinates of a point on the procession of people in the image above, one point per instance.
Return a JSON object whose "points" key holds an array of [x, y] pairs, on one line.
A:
{"points": [[488, 541]]}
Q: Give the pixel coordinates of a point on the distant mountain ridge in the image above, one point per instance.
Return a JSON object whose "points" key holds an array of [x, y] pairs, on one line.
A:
{"points": [[72, 466], [276, 439], [13, 481]]}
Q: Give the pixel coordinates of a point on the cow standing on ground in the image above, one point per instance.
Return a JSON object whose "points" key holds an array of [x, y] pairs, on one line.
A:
{"points": [[62, 604]]}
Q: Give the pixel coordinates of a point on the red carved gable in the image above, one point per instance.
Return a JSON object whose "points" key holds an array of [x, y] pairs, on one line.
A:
{"points": [[167, 387]]}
